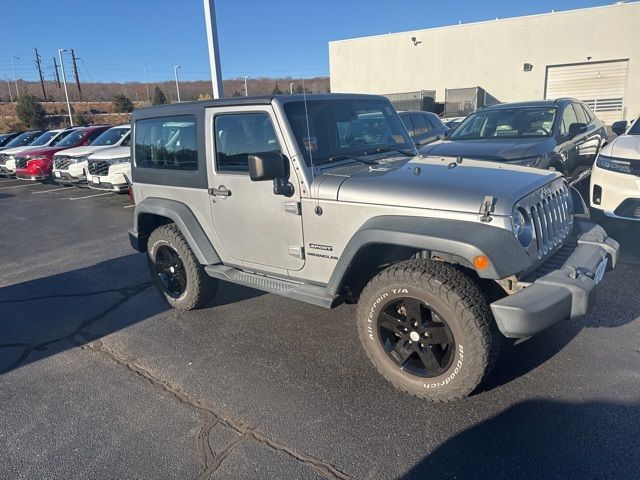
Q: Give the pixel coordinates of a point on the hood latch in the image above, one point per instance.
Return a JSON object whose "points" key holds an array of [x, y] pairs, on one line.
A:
{"points": [[487, 208]]}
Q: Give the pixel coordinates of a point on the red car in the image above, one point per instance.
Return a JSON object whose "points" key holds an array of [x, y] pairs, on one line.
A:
{"points": [[37, 164]]}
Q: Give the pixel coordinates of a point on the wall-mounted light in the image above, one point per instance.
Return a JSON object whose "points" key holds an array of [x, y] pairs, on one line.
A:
{"points": [[527, 67], [415, 41]]}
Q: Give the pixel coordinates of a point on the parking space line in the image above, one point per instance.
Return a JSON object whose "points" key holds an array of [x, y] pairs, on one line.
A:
{"points": [[59, 189], [89, 196], [129, 206], [20, 186]]}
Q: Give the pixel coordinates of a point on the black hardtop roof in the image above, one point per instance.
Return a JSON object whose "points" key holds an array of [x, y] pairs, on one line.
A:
{"points": [[167, 109], [535, 103]]}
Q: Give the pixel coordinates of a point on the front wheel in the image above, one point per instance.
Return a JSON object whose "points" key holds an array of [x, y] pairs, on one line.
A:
{"points": [[175, 270], [428, 329]]}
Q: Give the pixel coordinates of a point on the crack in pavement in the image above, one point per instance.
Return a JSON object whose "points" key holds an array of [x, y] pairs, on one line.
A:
{"points": [[126, 292], [211, 462]]}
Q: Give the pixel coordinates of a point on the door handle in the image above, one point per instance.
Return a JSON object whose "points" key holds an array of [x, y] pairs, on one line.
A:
{"points": [[221, 191]]}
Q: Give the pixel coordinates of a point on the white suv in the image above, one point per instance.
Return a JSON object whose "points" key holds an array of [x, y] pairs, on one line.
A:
{"points": [[110, 169], [70, 166], [615, 179]]}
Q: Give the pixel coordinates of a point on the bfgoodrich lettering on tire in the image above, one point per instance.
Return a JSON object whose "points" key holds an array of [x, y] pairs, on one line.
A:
{"points": [[175, 270], [428, 329]]}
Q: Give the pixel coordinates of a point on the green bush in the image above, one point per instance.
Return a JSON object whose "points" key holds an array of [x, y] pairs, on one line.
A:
{"points": [[30, 112], [159, 98], [122, 104]]}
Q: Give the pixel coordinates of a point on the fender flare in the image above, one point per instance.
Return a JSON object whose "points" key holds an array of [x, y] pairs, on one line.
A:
{"points": [[454, 237], [186, 221]]}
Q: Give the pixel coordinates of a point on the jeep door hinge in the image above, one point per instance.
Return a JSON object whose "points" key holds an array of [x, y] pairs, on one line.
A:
{"points": [[293, 207], [296, 251]]}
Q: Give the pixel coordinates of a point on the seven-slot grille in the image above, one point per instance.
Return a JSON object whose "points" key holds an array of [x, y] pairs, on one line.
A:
{"points": [[61, 163], [552, 218], [21, 162], [99, 167]]}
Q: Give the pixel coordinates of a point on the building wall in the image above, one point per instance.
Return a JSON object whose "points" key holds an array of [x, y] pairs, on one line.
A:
{"points": [[491, 54]]}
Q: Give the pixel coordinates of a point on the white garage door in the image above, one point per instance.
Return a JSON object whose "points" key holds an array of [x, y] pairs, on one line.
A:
{"points": [[600, 85]]}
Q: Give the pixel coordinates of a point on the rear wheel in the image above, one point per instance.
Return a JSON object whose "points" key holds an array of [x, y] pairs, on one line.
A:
{"points": [[175, 270], [428, 329]]}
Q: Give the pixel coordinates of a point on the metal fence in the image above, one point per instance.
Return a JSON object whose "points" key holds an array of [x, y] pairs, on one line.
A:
{"points": [[460, 102], [420, 100]]}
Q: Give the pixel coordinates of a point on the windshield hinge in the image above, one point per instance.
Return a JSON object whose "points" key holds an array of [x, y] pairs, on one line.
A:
{"points": [[293, 207], [487, 208]]}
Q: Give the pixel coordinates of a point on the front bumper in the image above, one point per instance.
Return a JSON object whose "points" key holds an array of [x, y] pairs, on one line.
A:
{"points": [[65, 178], [565, 293], [615, 194], [5, 172]]}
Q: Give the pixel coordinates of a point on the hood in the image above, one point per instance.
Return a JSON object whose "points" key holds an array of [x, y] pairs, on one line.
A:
{"points": [[112, 152], [624, 146], [435, 183], [82, 151], [489, 149], [42, 151], [15, 150]]}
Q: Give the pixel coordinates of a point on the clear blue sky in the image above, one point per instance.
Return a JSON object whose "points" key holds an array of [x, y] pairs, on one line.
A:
{"points": [[257, 38]]}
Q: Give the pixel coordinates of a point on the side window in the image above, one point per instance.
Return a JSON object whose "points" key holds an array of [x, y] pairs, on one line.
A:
{"points": [[588, 113], [582, 118], [166, 143], [93, 135], [419, 123], [239, 135], [406, 119], [127, 141], [568, 117]]}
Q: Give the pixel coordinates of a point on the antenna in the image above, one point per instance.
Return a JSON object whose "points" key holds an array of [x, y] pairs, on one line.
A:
{"points": [[308, 146]]}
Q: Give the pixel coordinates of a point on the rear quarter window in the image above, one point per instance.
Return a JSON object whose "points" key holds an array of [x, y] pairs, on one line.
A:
{"points": [[166, 143]]}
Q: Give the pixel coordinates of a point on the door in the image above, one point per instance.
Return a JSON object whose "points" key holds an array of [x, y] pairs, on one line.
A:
{"points": [[601, 85], [570, 143], [254, 225]]}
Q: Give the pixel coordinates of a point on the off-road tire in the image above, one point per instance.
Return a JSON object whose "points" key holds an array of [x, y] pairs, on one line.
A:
{"points": [[200, 286], [459, 301]]}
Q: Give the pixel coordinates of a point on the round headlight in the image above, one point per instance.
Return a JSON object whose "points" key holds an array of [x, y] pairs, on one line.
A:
{"points": [[522, 227]]}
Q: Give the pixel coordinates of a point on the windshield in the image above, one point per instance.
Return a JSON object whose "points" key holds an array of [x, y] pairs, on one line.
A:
{"points": [[345, 127], [110, 137], [635, 128], [513, 122], [72, 139], [23, 140], [44, 138]]}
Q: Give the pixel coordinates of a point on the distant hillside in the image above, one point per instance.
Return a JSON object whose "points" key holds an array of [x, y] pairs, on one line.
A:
{"points": [[136, 91]]}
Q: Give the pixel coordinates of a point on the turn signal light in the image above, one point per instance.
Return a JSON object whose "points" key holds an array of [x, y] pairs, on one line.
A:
{"points": [[481, 262]]}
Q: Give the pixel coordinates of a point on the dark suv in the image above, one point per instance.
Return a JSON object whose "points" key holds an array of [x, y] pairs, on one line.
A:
{"points": [[423, 127], [563, 134]]}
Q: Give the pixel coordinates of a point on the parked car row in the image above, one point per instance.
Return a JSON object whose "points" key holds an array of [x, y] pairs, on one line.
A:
{"points": [[69, 156]]}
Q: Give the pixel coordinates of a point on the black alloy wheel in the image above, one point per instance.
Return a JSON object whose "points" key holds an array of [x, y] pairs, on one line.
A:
{"points": [[171, 272], [416, 337]]}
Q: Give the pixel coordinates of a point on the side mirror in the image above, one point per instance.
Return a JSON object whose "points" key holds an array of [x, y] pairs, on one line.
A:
{"points": [[267, 166], [577, 129], [619, 127]]}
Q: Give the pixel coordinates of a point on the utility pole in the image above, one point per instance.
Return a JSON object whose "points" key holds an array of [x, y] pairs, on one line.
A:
{"points": [[64, 82], [214, 54], [9, 88], [55, 67], [146, 81], [15, 80], [290, 88], [175, 73], [44, 92], [246, 90], [75, 73]]}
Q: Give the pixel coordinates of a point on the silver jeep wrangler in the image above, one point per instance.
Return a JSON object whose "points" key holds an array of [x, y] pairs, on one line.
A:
{"points": [[323, 199]]}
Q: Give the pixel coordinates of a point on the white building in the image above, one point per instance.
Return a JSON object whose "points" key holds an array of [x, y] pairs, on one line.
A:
{"points": [[592, 54]]}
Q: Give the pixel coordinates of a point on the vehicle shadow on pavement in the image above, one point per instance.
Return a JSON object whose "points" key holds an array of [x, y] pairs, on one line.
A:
{"points": [[48, 315], [542, 439]]}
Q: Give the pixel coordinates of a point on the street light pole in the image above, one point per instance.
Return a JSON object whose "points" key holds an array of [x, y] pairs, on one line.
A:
{"points": [[246, 90], [146, 81], [212, 40], [64, 82], [291, 88], [175, 73], [15, 80]]}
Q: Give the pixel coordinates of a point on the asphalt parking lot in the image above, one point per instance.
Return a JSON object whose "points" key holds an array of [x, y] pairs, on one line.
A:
{"points": [[99, 379]]}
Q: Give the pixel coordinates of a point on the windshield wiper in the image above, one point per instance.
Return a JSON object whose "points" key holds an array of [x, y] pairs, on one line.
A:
{"points": [[389, 149], [344, 156]]}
